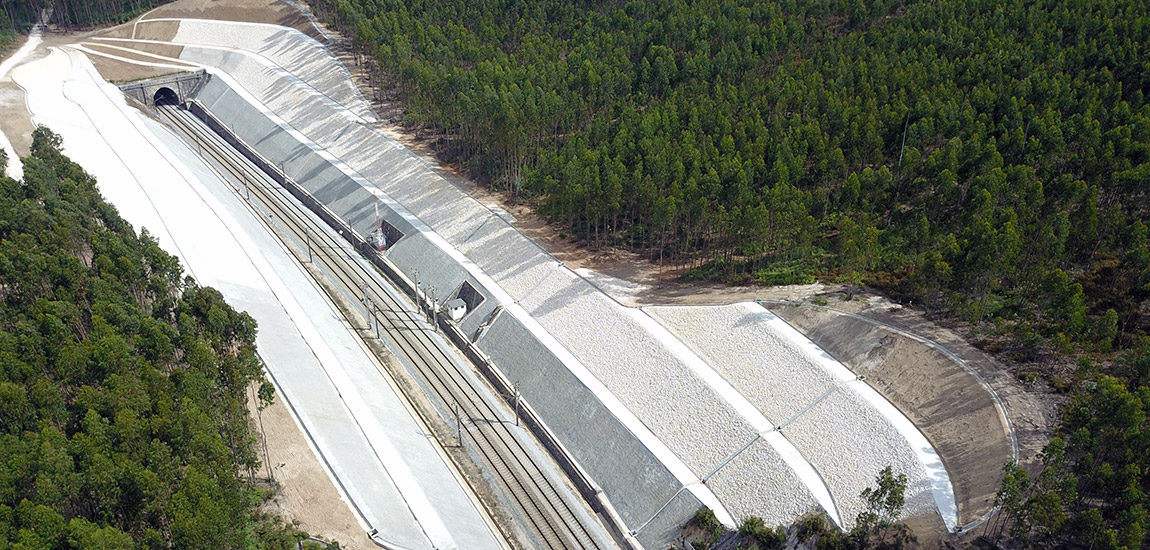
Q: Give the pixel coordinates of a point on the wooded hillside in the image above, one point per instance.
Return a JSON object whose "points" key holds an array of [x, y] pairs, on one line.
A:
{"points": [[71, 14], [123, 385], [988, 157]]}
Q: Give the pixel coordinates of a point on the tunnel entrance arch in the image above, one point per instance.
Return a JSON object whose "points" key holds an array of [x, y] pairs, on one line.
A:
{"points": [[165, 96], [183, 86]]}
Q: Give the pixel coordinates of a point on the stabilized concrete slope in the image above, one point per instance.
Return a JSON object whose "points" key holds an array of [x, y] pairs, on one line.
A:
{"points": [[945, 401], [661, 419]]}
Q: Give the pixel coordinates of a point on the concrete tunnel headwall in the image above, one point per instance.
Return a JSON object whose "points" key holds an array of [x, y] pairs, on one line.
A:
{"points": [[170, 89], [646, 495]]}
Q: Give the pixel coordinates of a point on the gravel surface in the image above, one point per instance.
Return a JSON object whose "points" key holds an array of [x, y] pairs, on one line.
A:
{"points": [[763, 365], [759, 483], [308, 59], [516, 268], [849, 443], [843, 437]]}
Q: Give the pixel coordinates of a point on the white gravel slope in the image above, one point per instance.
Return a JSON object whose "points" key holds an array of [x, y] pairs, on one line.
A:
{"points": [[309, 60], [840, 433], [778, 497], [760, 363], [849, 443], [693, 419]]}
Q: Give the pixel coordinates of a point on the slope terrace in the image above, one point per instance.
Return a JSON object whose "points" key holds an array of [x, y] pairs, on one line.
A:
{"points": [[706, 407]]}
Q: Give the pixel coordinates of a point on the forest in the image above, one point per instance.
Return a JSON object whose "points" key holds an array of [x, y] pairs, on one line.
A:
{"points": [[123, 385], [20, 15], [985, 158], [1090, 489], [988, 161]]}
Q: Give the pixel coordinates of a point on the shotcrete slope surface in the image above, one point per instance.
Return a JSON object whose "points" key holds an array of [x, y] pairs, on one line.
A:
{"points": [[555, 301]]}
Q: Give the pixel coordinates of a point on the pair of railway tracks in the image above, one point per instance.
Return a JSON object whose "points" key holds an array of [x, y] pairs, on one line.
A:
{"points": [[545, 508]]}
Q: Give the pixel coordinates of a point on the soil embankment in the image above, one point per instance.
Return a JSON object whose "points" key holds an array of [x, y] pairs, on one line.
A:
{"points": [[947, 402]]}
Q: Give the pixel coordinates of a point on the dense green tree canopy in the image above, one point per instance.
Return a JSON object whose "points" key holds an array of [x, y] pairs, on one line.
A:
{"points": [[71, 14], [122, 384], [992, 157], [1091, 488]]}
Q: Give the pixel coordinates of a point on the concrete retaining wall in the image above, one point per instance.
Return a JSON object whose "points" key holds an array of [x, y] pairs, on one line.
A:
{"points": [[184, 85], [637, 482], [644, 493]]}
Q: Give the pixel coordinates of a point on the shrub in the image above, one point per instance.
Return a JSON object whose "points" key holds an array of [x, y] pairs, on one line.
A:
{"points": [[705, 519], [765, 537], [811, 525]]}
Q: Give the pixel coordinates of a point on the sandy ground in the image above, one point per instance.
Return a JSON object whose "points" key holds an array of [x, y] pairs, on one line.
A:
{"points": [[299, 478], [1032, 411]]}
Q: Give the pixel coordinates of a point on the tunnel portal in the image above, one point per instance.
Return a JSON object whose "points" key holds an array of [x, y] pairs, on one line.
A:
{"points": [[165, 96]]}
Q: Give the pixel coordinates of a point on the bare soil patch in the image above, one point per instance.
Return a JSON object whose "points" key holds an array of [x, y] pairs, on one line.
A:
{"points": [[115, 70], [143, 29], [121, 71], [119, 31], [165, 50], [15, 120], [1032, 410], [946, 402], [251, 11], [305, 495]]}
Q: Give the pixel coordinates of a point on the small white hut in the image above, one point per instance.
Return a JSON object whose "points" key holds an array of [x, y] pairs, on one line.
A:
{"points": [[455, 309]]}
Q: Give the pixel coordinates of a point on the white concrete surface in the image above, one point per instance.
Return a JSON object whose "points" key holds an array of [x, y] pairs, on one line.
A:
{"points": [[380, 456]]}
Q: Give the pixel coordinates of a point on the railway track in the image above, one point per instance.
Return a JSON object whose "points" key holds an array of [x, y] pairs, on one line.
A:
{"points": [[544, 508]]}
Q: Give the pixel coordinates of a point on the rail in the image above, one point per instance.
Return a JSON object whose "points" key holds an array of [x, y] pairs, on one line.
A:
{"points": [[544, 510]]}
